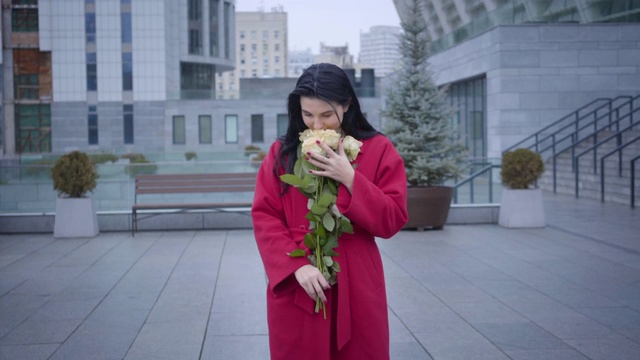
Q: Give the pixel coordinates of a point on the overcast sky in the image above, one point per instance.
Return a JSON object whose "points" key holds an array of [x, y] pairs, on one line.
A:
{"points": [[334, 22]]}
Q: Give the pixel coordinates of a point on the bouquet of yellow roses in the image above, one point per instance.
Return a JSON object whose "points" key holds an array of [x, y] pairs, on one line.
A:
{"points": [[325, 220]]}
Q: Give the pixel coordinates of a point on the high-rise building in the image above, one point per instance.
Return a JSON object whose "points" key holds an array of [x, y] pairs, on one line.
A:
{"points": [[261, 50], [379, 48], [111, 75], [337, 55], [514, 67], [298, 61]]}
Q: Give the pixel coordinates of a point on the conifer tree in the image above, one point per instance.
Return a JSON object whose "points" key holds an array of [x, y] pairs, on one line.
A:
{"points": [[417, 117]]}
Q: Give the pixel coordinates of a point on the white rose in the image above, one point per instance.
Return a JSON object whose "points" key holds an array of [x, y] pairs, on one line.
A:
{"points": [[351, 147], [310, 145], [331, 138]]}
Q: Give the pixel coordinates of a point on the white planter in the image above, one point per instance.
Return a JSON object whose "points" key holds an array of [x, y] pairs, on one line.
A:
{"points": [[521, 209], [75, 217]]}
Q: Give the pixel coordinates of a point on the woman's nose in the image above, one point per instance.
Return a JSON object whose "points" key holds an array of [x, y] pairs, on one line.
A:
{"points": [[317, 124]]}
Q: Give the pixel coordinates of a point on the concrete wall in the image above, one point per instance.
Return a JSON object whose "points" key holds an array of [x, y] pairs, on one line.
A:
{"points": [[538, 73]]}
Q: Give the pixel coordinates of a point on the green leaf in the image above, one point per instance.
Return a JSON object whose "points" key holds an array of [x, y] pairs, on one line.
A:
{"points": [[328, 260], [335, 266], [310, 203], [297, 253], [309, 241], [328, 221], [330, 252], [326, 200], [297, 168], [292, 180], [320, 231], [345, 225], [332, 186], [312, 218], [318, 209]]}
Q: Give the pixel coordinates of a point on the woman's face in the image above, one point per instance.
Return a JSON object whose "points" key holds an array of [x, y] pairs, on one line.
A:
{"points": [[318, 114]]}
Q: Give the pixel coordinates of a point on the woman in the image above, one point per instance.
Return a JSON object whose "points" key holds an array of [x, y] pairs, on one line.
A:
{"points": [[372, 196]]}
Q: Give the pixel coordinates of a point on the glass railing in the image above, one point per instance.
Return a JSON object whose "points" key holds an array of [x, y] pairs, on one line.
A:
{"points": [[27, 187]]}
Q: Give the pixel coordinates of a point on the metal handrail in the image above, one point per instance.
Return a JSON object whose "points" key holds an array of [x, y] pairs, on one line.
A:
{"points": [[488, 168], [576, 123], [575, 142], [617, 134], [573, 135], [572, 114], [616, 150], [633, 180]]}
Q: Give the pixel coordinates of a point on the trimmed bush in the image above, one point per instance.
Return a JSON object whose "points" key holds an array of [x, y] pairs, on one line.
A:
{"points": [[190, 155], [251, 150], [138, 165], [103, 158], [74, 174], [521, 168]]}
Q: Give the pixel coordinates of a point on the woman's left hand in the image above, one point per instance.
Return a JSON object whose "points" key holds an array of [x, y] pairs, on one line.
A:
{"points": [[335, 166]]}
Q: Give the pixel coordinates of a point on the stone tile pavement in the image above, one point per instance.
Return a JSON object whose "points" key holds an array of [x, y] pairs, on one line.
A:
{"points": [[570, 290]]}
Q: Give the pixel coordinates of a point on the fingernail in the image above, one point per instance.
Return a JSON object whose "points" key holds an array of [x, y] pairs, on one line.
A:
{"points": [[308, 152], [310, 171], [317, 141], [306, 158]]}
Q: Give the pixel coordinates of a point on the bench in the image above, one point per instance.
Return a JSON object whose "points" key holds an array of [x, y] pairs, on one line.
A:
{"points": [[161, 184]]}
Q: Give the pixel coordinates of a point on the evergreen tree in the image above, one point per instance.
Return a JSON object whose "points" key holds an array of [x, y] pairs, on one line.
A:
{"points": [[417, 117]]}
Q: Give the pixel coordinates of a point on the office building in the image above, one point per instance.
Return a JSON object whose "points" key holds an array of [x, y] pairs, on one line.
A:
{"points": [[111, 75], [261, 50], [513, 67], [379, 49]]}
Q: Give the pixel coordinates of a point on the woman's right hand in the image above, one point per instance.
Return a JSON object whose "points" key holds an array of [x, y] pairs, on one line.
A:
{"points": [[312, 281]]}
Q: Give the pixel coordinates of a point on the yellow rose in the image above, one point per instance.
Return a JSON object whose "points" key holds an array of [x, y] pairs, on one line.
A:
{"points": [[351, 147]]}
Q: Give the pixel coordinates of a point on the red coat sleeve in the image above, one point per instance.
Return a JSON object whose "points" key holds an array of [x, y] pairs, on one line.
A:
{"points": [[272, 233], [378, 202]]}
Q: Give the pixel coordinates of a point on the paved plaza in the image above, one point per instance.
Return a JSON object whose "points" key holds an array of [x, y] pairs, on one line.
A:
{"points": [[568, 291]]}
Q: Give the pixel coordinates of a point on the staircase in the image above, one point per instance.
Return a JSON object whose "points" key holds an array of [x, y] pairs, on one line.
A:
{"points": [[589, 152], [617, 176]]}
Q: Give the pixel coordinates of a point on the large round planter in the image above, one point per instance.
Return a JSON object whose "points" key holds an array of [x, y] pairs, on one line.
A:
{"points": [[428, 206], [75, 217], [521, 208]]}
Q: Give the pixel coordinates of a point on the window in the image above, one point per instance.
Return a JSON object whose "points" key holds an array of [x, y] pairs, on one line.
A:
{"points": [[204, 129], [242, 35], [127, 71], [253, 35], [231, 128], [282, 124], [265, 35], [229, 12], [128, 123], [276, 34], [276, 47], [257, 128], [90, 27], [276, 59], [126, 27], [213, 28], [195, 43], [33, 128], [179, 136], [92, 124], [24, 20]]}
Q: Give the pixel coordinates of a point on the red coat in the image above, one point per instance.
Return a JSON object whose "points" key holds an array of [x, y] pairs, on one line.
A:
{"points": [[377, 207]]}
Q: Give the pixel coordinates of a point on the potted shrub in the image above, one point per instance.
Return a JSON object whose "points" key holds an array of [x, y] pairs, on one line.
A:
{"points": [[418, 123], [189, 155], [521, 204], [74, 174]]}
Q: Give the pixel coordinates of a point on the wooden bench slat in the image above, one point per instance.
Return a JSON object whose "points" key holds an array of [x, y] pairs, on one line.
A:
{"points": [[147, 184]]}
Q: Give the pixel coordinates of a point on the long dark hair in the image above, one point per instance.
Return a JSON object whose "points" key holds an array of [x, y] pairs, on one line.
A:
{"points": [[326, 82]]}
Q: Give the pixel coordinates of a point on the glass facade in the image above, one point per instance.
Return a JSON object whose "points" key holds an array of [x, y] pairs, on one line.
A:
{"points": [[195, 27], [468, 98], [128, 123], [196, 81], [214, 16], [33, 128], [92, 126]]}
